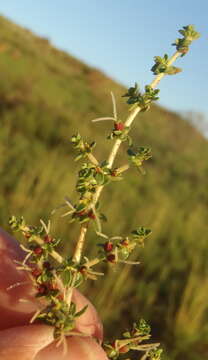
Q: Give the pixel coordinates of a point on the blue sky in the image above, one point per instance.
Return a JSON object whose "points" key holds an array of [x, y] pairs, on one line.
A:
{"points": [[121, 37]]}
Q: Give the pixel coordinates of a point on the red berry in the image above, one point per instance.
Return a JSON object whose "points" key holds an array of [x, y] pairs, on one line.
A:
{"points": [[124, 242], [108, 246], [27, 235], [119, 126], [42, 289], [52, 286], [111, 258], [83, 270], [113, 173], [48, 239], [38, 250], [91, 215], [36, 272], [81, 213]]}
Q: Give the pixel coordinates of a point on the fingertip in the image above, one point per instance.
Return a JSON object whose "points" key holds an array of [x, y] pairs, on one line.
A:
{"points": [[89, 323], [24, 342], [77, 348], [15, 285]]}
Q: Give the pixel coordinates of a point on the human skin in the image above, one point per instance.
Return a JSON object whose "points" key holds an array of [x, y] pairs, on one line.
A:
{"points": [[20, 340]]}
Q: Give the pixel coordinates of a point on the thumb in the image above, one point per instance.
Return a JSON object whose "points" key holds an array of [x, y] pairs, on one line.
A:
{"points": [[24, 342]]}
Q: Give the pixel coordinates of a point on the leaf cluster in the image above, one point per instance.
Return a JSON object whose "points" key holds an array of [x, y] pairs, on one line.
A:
{"points": [[118, 249], [143, 100], [138, 157], [48, 277], [133, 340], [120, 131], [81, 146], [189, 35], [90, 177], [162, 66], [61, 316]]}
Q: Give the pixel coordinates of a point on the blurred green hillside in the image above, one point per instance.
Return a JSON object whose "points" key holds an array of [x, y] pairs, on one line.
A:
{"points": [[45, 97]]}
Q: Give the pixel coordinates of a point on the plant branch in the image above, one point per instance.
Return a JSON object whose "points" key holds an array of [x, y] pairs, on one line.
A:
{"points": [[112, 156], [54, 253]]}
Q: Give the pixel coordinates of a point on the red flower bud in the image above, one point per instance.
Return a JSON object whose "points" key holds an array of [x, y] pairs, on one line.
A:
{"points": [[52, 286], [83, 270], [42, 289], [47, 239], [108, 246], [111, 258], [124, 242], [113, 173], [119, 126], [91, 215], [27, 235], [80, 213], [36, 272], [38, 250]]}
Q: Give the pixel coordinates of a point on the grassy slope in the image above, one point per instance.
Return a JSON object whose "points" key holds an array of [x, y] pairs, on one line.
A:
{"points": [[47, 95]]}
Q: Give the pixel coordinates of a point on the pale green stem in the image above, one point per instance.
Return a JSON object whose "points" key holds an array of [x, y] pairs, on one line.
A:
{"points": [[112, 156], [92, 159], [79, 244]]}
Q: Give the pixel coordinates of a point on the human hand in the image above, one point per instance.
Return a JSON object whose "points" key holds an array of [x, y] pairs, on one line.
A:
{"points": [[21, 341]]}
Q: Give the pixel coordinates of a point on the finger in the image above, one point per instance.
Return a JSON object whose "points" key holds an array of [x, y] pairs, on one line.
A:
{"points": [[78, 348], [24, 342], [89, 323], [14, 285], [13, 311]]}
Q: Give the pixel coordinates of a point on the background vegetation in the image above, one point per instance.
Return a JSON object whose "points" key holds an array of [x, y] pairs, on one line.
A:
{"points": [[45, 97]]}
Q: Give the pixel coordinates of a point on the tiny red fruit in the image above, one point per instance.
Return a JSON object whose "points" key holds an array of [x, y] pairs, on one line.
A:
{"points": [[36, 272], [38, 250], [119, 126], [48, 239], [27, 235], [91, 215], [42, 289], [124, 242], [52, 286], [81, 213], [108, 246], [83, 270], [113, 173], [111, 258]]}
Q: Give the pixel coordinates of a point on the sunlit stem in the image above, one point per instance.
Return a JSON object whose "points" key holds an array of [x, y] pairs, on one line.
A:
{"points": [[92, 159], [123, 168], [129, 122], [92, 262], [80, 244]]}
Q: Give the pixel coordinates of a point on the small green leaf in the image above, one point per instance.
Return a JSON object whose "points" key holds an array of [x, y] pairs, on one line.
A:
{"points": [[66, 277], [100, 178], [79, 313]]}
